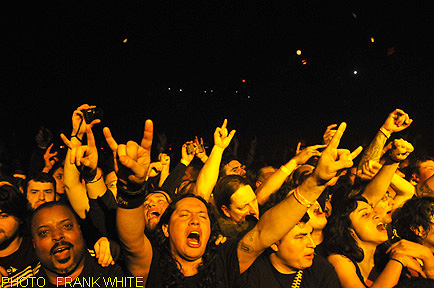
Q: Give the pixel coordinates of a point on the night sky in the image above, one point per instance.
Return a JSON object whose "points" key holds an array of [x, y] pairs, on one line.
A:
{"points": [[125, 55]]}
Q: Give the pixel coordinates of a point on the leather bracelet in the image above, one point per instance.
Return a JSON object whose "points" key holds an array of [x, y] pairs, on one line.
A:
{"points": [[398, 262], [128, 199]]}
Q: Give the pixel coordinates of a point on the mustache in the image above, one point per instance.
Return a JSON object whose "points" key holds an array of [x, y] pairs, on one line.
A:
{"points": [[61, 243]]}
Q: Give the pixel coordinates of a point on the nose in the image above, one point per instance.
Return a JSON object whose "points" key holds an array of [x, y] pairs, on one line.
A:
{"points": [[41, 195], [311, 243], [194, 220], [57, 235]]}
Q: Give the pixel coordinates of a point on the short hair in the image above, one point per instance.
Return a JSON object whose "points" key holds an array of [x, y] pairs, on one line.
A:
{"points": [[41, 177], [415, 213], [414, 165], [337, 236], [13, 202], [52, 204], [225, 187]]}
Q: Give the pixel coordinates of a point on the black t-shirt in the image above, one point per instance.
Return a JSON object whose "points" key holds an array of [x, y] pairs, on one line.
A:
{"points": [[262, 274], [21, 263], [93, 275], [227, 267]]}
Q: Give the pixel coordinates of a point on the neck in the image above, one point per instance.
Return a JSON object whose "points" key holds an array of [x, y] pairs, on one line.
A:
{"points": [[10, 246], [188, 268], [63, 280], [281, 266], [367, 263]]}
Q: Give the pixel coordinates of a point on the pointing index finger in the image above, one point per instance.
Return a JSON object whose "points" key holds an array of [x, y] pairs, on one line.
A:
{"points": [[110, 140]]}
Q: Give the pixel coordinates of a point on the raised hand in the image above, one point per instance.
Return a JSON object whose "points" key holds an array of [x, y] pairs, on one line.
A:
{"points": [[49, 158], [103, 253], [132, 160], [201, 155], [78, 123], [222, 138], [302, 156], [397, 121], [329, 133], [368, 170], [400, 150], [333, 159]]}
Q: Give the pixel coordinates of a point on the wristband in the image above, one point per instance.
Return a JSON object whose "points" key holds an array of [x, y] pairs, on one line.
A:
{"points": [[94, 181], [398, 262], [300, 199], [385, 132], [285, 170], [128, 199], [88, 174]]}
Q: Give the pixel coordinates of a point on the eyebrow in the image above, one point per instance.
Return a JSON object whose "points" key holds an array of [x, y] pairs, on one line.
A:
{"points": [[63, 221]]}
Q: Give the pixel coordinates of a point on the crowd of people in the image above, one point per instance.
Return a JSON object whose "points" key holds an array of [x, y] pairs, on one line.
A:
{"points": [[327, 217]]}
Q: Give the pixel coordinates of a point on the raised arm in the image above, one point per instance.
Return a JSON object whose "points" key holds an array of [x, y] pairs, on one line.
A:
{"points": [[377, 187], [131, 165], [209, 173], [275, 181], [397, 121], [75, 189], [280, 219]]}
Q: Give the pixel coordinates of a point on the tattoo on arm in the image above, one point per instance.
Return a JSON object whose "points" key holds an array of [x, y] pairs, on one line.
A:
{"points": [[374, 149], [243, 246]]}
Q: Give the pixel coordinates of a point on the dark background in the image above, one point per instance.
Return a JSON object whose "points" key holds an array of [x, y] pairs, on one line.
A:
{"points": [[125, 55]]}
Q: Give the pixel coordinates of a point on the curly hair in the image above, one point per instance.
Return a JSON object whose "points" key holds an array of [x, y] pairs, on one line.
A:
{"points": [[337, 234], [415, 213], [206, 270], [13, 202]]}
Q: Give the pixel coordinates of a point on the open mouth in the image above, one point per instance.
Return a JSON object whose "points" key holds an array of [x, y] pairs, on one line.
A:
{"points": [[153, 214], [193, 239], [381, 227]]}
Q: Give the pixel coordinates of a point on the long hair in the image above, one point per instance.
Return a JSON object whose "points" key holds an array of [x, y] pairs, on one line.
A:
{"points": [[337, 235], [206, 270]]}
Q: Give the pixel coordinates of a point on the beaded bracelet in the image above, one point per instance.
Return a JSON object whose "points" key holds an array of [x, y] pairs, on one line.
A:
{"points": [[303, 201]]}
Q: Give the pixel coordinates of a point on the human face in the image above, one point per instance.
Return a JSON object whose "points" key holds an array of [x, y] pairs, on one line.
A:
{"points": [[58, 241], [154, 206], [317, 217], [295, 250], [243, 203], [426, 170], [384, 208], [8, 229], [189, 229], [39, 192], [234, 167], [366, 225], [58, 176]]}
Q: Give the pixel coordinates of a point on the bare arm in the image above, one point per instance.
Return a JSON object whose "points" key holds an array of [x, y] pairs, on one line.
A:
{"points": [[403, 189], [131, 165], [275, 181], [276, 222], [209, 173]]}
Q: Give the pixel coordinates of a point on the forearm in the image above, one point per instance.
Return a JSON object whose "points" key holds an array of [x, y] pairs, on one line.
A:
{"points": [[277, 221], [374, 150], [96, 187], [163, 175], [174, 179], [390, 275], [75, 190], [274, 182], [209, 173], [377, 187], [403, 189]]}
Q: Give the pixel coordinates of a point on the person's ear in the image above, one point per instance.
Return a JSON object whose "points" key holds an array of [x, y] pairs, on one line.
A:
{"points": [[165, 229], [415, 177], [258, 183], [275, 246], [225, 211]]}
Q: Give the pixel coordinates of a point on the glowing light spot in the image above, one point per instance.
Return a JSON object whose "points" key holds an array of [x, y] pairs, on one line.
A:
{"points": [[298, 52]]}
